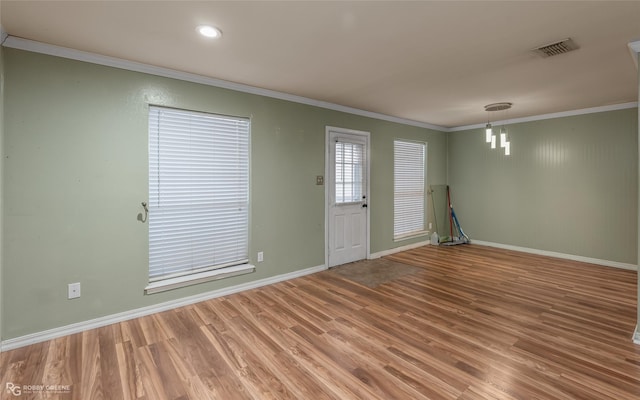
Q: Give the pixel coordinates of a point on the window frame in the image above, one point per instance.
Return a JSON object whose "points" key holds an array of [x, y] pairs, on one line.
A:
{"points": [[356, 178], [209, 180], [422, 230]]}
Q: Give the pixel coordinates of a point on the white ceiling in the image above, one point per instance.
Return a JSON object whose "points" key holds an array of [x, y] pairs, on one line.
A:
{"points": [[432, 62]]}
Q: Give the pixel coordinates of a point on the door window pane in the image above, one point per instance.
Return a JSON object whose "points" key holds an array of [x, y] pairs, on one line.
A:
{"points": [[349, 172]]}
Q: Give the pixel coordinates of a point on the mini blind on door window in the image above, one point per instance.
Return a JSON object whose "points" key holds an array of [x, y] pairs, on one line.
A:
{"points": [[198, 192], [349, 172], [408, 188]]}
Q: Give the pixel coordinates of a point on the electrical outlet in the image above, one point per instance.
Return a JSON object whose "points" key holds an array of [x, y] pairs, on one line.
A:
{"points": [[260, 256], [430, 225], [74, 290]]}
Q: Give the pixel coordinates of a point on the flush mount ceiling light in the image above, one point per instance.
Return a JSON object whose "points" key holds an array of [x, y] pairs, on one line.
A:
{"points": [[209, 31], [490, 137]]}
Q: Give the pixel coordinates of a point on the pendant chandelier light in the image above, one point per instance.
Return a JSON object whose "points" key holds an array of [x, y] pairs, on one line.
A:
{"points": [[489, 135]]}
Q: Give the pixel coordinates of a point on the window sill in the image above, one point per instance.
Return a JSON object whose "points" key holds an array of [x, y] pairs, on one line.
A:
{"points": [[188, 280], [411, 236]]}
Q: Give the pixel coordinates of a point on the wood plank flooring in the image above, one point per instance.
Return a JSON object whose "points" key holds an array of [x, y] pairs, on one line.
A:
{"points": [[473, 323]]}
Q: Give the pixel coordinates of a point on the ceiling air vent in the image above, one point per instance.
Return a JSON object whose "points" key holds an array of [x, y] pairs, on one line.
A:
{"points": [[556, 48]]}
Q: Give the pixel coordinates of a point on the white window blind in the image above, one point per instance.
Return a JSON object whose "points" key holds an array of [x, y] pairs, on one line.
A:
{"points": [[198, 192], [349, 172], [408, 188]]}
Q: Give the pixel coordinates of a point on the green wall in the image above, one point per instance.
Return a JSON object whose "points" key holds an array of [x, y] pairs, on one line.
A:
{"points": [[76, 172], [569, 186]]}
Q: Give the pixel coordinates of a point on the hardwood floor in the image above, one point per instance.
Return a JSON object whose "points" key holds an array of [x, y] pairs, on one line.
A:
{"points": [[474, 323]]}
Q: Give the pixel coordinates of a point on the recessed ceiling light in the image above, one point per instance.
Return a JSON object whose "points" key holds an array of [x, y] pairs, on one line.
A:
{"points": [[209, 31]]}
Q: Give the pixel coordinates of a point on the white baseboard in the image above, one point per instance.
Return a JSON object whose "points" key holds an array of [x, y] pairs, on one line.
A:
{"points": [[141, 312], [398, 249], [169, 305], [572, 257]]}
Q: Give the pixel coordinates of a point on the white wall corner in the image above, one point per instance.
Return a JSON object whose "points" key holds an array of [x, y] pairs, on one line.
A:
{"points": [[634, 49], [636, 336]]}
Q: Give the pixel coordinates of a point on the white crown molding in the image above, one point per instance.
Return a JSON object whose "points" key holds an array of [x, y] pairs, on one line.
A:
{"points": [[65, 52], [571, 113], [54, 333], [597, 261]]}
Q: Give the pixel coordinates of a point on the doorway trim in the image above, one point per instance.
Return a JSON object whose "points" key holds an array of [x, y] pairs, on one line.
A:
{"points": [[366, 136]]}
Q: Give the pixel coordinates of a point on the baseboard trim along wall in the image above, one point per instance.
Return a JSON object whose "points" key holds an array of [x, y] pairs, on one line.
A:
{"points": [[572, 257], [397, 249], [54, 333], [141, 312]]}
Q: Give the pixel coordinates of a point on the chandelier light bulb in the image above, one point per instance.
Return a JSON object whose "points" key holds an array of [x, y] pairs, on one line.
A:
{"points": [[492, 138]]}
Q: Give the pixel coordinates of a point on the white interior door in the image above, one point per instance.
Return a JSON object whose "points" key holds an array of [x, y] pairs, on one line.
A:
{"points": [[347, 199]]}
